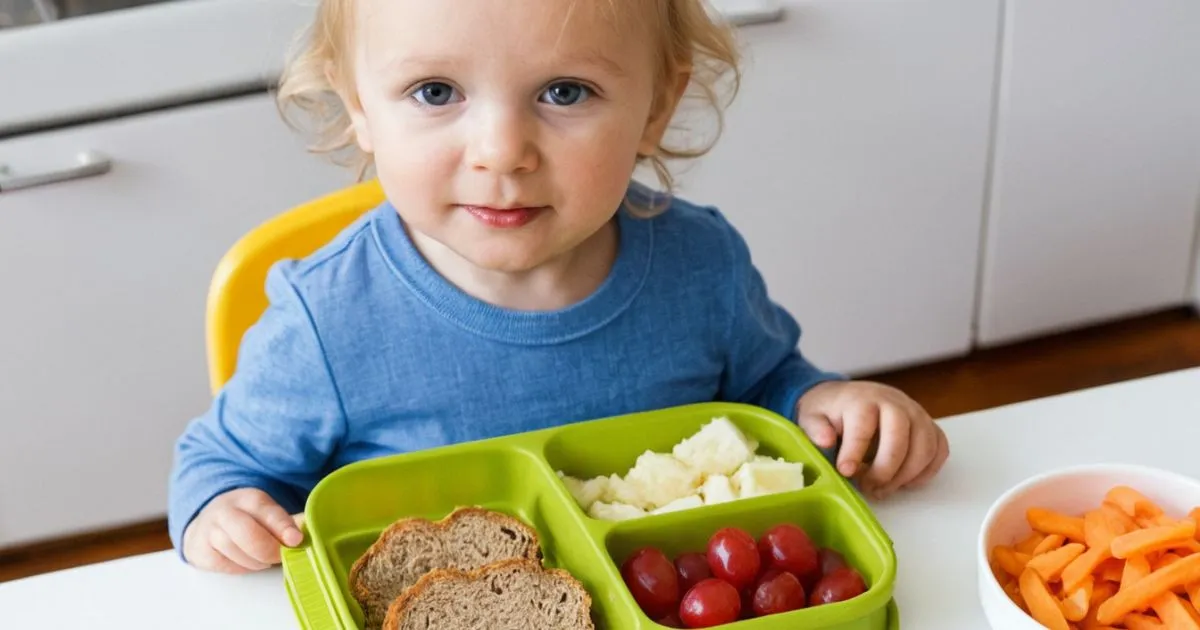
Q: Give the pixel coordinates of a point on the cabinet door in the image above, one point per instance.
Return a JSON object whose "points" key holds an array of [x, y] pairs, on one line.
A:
{"points": [[853, 161], [102, 293], [1097, 169]]}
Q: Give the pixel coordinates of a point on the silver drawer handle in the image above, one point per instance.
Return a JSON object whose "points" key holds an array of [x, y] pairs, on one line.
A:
{"points": [[87, 164], [747, 12]]}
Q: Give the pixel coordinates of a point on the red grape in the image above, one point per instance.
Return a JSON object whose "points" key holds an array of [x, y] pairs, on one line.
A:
{"points": [[733, 557], [788, 547], [651, 579], [778, 593], [830, 560], [712, 602], [692, 568], [671, 621], [839, 585]]}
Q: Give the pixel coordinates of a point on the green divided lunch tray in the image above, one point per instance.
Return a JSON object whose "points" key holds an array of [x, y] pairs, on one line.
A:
{"points": [[517, 475]]}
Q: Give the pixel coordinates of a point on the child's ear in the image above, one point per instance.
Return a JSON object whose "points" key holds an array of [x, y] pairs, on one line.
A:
{"points": [[663, 111], [358, 120]]}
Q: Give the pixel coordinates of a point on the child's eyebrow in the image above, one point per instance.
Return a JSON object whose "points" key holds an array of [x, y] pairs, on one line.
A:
{"points": [[598, 60], [408, 63]]}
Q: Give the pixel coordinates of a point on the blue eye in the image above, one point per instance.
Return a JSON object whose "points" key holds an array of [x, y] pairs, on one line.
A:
{"points": [[566, 93], [434, 93]]}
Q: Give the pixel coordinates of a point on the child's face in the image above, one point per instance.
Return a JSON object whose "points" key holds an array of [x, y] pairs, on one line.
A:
{"points": [[538, 104]]}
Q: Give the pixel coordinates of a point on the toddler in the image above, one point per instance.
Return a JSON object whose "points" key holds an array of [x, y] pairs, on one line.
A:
{"points": [[518, 277]]}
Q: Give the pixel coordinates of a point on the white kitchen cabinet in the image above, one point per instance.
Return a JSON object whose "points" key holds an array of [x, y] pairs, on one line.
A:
{"points": [[1097, 168], [854, 163], [102, 294]]}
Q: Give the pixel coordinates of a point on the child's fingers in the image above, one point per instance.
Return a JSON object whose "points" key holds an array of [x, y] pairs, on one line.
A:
{"points": [[859, 424], [223, 542], [207, 558], [819, 429], [895, 429], [939, 460], [922, 450], [251, 536], [281, 525], [274, 518]]}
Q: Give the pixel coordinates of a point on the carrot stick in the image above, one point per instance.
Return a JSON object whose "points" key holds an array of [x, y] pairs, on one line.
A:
{"points": [[1136, 568], [1134, 621], [1048, 544], [1050, 522], [1148, 520], [1143, 541], [1075, 605], [1118, 520], [1012, 562], [1191, 611], [1193, 591], [1131, 501], [1174, 616], [1097, 531], [1082, 566], [1029, 543], [1042, 605], [1137, 596], [1050, 565]]}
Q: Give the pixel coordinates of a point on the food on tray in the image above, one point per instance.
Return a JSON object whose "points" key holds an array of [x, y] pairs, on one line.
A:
{"points": [[1125, 563], [467, 540], [716, 464], [737, 577], [506, 595]]}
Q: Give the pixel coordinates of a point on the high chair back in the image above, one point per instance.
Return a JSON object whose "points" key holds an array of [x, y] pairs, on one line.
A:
{"points": [[237, 295]]}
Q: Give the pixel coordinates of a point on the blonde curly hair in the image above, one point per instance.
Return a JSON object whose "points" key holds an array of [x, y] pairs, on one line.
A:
{"points": [[690, 38]]}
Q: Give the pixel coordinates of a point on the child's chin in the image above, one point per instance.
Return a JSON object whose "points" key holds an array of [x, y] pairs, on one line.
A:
{"points": [[506, 260]]}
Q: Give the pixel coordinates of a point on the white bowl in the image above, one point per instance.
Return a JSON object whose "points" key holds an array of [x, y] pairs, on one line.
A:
{"points": [[1072, 491]]}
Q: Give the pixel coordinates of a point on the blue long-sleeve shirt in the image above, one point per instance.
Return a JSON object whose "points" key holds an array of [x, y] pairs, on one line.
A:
{"points": [[365, 350]]}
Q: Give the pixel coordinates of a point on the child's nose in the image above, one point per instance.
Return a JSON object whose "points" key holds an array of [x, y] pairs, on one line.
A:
{"points": [[502, 142]]}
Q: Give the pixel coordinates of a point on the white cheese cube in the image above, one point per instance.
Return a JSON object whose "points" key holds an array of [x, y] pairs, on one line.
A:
{"points": [[585, 492], [614, 511], [756, 478], [618, 490], [718, 489], [686, 503], [718, 448], [660, 479]]}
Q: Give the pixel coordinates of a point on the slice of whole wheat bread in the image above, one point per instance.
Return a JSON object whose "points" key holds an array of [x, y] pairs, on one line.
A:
{"points": [[467, 539], [505, 595]]}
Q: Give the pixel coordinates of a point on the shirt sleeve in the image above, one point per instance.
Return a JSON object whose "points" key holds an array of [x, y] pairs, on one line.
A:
{"points": [[765, 366], [275, 424]]}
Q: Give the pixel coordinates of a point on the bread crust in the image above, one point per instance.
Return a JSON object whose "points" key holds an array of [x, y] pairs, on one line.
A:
{"points": [[411, 596], [362, 594]]}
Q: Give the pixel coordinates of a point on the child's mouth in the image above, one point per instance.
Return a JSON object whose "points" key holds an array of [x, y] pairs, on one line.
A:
{"points": [[504, 217]]}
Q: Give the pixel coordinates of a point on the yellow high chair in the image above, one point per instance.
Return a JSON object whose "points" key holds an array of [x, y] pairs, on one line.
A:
{"points": [[237, 295]]}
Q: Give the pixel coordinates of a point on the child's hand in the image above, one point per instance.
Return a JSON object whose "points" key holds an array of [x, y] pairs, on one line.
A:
{"points": [[911, 447], [238, 532]]}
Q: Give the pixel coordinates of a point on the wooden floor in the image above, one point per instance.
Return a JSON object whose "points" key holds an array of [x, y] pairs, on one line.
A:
{"points": [[1132, 349]]}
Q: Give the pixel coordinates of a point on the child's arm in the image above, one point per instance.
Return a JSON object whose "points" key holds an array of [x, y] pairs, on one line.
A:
{"points": [[767, 369], [272, 428]]}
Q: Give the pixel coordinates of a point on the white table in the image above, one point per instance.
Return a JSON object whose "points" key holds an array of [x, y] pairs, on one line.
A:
{"points": [[934, 529]]}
